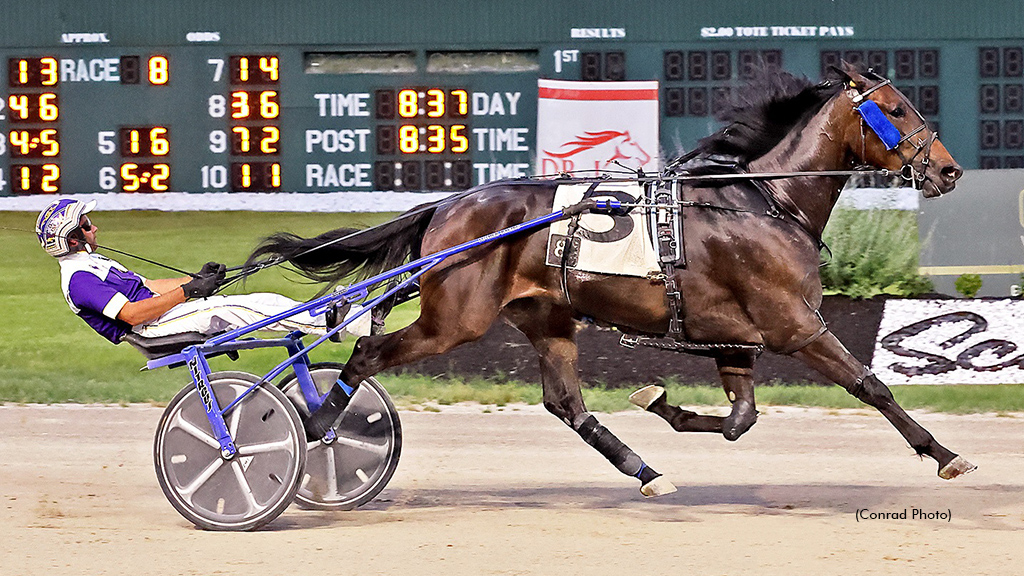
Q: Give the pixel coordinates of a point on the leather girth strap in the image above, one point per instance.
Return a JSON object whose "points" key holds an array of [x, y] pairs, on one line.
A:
{"points": [[666, 225]]}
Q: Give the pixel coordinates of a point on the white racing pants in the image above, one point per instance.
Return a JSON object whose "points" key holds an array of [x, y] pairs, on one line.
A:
{"points": [[220, 313]]}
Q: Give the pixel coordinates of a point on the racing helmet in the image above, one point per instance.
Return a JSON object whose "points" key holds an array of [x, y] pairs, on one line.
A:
{"points": [[57, 221]]}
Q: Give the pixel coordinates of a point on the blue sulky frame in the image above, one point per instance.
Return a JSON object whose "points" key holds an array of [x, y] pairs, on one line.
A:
{"points": [[298, 360]]}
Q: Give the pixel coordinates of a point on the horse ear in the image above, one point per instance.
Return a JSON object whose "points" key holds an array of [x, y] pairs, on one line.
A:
{"points": [[836, 73], [849, 75]]}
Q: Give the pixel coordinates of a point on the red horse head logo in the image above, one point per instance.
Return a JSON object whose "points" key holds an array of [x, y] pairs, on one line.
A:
{"points": [[614, 147]]}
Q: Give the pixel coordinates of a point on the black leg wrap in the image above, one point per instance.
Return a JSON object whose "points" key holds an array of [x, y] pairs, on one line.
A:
{"points": [[323, 419], [870, 390], [593, 433], [647, 474]]}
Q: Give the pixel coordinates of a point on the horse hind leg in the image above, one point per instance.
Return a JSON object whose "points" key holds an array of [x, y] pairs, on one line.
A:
{"points": [[552, 332], [435, 331], [735, 372]]}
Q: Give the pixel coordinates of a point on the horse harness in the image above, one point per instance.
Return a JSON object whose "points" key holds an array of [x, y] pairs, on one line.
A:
{"points": [[872, 117], [663, 203]]}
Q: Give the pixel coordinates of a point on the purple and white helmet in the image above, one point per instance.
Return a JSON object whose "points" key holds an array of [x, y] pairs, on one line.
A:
{"points": [[57, 221]]}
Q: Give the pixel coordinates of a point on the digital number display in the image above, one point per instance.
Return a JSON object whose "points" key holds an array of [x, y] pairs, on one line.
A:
{"points": [[254, 69], [426, 103], [126, 111], [248, 110], [34, 143], [35, 178], [255, 140], [145, 177], [423, 141], [157, 70], [144, 141], [255, 176], [32, 72], [254, 105], [33, 108], [429, 175], [430, 139]]}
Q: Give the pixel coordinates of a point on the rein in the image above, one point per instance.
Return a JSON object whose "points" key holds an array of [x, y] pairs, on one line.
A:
{"points": [[250, 269]]}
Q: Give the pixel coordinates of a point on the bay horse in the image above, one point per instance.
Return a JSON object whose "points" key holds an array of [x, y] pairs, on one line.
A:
{"points": [[750, 275]]}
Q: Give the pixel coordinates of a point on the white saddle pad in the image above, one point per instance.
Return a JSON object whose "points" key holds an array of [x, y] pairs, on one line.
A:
{"points": [[604, 244]]}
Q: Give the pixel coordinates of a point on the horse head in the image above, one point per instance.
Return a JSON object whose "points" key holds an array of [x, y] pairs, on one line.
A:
{"points": [[885, 130]]}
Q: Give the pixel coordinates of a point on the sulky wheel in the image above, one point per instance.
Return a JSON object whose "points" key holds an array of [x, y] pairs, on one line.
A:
{"points": [[349, 471], [254, 486]]}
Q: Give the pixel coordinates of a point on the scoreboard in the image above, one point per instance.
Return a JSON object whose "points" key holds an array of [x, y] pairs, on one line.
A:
{"points": [[145, 120], [123, 97]]}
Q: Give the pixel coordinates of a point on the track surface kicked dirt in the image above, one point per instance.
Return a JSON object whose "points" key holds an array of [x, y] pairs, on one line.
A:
{"points": [[517, 492]]}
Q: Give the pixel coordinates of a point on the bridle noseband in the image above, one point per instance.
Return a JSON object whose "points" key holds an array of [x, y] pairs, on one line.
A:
{"points": [[872, 116]]}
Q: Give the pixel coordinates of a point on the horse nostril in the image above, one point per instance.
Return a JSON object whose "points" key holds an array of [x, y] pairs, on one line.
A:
{"points": [[952, 172]]}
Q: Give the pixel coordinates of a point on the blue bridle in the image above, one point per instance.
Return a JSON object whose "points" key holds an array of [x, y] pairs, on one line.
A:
{"points": [[891, 136]]}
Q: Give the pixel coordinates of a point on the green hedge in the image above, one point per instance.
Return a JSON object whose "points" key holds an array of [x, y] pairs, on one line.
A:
{"points": [[873, 252]]}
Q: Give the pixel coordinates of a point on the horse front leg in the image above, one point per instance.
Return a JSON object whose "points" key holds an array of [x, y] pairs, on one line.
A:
{"points": [[828, 356], [736, 374], [552, 332]]}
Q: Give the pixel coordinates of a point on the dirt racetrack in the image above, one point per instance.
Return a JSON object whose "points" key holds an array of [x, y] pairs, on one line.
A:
{"points": [[516, 492]]}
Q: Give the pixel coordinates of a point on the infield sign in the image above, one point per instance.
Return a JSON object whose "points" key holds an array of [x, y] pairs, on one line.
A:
{"points": [[597, 126], [950, 342]]}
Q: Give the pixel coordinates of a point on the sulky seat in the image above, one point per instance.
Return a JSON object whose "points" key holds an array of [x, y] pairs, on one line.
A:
{"points": [[153, 348]]}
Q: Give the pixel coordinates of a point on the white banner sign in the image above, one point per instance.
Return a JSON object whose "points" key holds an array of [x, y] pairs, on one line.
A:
{"points": [[950, 342], [597, 126]]}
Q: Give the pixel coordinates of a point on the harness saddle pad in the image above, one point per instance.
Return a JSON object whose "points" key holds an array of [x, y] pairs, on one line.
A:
{"points": [[605, 244]]}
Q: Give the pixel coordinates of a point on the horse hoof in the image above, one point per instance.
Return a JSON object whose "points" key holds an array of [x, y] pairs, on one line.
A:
{"points": [[956, 467], [657, 487], [646, 396], [742, 418]]}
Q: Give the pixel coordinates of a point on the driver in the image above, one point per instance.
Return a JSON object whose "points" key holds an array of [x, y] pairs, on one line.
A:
{"points": [[113, 300]]}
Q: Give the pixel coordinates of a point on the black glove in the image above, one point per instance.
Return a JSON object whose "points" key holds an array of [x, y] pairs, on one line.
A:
{"points": [[201, 286], [212, 268], [205, 282]]}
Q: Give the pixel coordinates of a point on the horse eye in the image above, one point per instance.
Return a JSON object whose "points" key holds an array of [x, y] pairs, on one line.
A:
{"points": [[899, 112]]}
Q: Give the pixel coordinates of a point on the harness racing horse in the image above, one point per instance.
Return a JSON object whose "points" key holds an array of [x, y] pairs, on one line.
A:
{"points": [[750, 275]]}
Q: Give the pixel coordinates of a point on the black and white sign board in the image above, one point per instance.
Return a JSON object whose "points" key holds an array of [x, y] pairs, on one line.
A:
{"points": [[950, 342]]}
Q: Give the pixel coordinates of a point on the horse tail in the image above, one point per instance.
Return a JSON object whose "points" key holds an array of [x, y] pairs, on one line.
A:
{"points": [[334, 256]]}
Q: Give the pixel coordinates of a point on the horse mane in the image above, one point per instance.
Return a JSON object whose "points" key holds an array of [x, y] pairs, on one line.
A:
{"points": [[763, 112]]}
